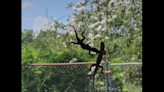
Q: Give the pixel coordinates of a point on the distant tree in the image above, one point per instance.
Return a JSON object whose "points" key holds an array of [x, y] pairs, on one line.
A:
{"points": [[27, 35]]}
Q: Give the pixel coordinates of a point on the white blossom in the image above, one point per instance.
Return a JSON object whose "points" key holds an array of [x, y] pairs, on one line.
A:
{"points": [[135, 25], [97, 35], [72, 33], [95, 18], [70, 40], [92, 39], [82, 2], [104, 29], [121, 74], [52, 24], [101, 13], [122, 26], [104, 8], [58, 36], [93, 68], [91, 26], [53, 29], [109, 20], [91, 44], [72, 20], [112, 2], [97, 23], [77, 4], [44, 28], [79, 24], [117, 4], [103, 0], [127, 1], [73, 17], [92, 17], [93, 52], [114, 16], [74, 8], [90, 35], [103, 22], [89, 73], [106, 37], [73, 60], [136, 29], [103, 17], [138, 53], [133, 58], [48, 28], [64, 44], [54, 19], [81, 9], [95, 6], [99, 28], [121, 2]]}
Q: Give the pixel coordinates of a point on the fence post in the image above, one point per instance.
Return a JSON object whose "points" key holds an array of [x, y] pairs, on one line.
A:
{"points": [[110, 81], [106, 77]]}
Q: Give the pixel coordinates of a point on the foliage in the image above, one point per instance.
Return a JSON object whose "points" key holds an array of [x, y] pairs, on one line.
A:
{"points": [[27, 36]]}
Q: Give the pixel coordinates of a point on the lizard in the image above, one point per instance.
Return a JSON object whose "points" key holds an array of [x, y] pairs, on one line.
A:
{"points": [[84, 46], [99, 58]]}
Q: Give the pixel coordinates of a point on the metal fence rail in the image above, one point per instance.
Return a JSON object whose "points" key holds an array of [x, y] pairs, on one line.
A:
{"points": [[75, 77]]}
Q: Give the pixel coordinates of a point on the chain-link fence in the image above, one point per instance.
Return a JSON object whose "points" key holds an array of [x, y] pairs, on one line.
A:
{"points": [[125, 77], [75, 77]]}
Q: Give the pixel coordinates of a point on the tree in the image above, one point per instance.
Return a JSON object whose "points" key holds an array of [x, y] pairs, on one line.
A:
{"points": [[27, 36]]}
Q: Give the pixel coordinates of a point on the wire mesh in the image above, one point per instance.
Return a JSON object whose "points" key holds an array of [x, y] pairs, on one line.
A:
{"points": [[60, 78], [75, 77], [126, 78]]}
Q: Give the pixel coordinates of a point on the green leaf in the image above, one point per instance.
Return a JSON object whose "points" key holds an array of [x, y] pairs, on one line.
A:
{"points": [[38, 72]]}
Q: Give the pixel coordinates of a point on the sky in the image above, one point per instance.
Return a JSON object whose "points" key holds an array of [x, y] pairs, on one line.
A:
{"points": [[34, 12]]}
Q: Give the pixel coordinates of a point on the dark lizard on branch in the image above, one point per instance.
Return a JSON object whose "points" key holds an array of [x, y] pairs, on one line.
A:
{"points": [[99, 58], [84, 46]]}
